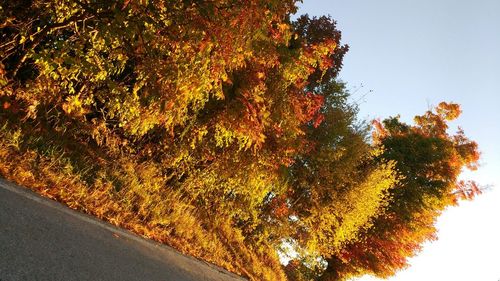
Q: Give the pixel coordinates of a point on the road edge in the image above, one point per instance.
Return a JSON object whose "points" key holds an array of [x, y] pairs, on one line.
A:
{"points": [[32, 195]]}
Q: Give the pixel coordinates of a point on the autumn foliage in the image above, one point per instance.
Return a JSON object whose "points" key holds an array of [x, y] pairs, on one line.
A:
{"points": [[220, 128]]}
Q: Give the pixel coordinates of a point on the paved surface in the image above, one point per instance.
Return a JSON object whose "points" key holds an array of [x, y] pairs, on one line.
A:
{"points": [[43, 240]]}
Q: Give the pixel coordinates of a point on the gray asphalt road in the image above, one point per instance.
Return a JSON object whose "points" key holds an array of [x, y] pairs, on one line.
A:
{"points": [[43, 240]]}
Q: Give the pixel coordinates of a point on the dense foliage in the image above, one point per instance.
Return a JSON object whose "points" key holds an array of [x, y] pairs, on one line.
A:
{"points": [[220, 127]]}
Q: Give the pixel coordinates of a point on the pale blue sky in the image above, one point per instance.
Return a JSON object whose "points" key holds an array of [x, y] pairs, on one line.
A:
{"points": [[412, 55]]}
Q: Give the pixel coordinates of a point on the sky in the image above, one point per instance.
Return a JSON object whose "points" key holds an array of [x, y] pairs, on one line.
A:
{"points": [[405, 57]]}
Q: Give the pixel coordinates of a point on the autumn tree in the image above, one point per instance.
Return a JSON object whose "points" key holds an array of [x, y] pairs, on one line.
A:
{"points": [[428, 161], [211, 94]]}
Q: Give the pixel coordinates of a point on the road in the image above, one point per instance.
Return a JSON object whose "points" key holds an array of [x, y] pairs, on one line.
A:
{"points": [[41, 239]]}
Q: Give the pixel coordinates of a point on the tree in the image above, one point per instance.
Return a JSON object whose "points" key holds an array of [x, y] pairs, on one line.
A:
{"points": [[211, 95], [429, 161]]}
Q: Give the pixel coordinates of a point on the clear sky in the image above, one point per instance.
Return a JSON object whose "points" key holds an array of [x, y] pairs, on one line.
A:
{"points": [[409, 55]]}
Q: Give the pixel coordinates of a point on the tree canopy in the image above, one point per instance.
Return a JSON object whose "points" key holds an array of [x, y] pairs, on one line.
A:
{"points": [[224, 118]]}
